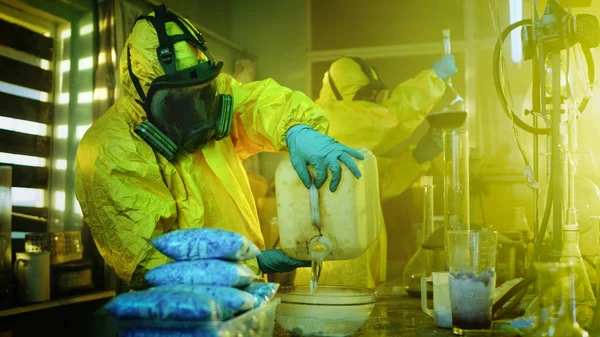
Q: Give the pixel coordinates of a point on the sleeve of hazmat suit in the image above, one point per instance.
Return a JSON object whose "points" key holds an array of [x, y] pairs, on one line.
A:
{"points": [[265, 111], [396, 175], [412, 100]]}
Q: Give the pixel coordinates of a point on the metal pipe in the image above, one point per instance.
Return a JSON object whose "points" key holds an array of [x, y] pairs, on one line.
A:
{"points": [[557, 165], [397, 50], [536, 90]]}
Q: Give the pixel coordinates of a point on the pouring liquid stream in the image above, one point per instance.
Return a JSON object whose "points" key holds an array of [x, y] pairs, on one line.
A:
{"points": [[318, 253], [318, 250], [315, 274]]}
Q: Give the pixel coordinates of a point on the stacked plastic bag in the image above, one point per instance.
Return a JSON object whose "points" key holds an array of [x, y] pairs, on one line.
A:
{"points": [[206, 282]]}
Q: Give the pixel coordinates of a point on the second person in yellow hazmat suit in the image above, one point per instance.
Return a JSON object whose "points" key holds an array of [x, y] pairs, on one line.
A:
{"points": [[362, 115], [167, 155]]}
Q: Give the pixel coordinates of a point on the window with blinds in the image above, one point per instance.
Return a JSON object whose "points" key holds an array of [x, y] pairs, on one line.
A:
{"points": [[27, 55], [46, 98]]}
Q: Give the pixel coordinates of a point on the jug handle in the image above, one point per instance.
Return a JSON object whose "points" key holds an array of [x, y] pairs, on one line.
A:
{"points": [[315, 215], [18, 275], [424, 281]]}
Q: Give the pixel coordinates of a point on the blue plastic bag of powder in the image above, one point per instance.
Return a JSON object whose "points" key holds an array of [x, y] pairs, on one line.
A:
{"points": [[201, 272], [262, 292], [205, 243], [233, 298], [168, 306]]}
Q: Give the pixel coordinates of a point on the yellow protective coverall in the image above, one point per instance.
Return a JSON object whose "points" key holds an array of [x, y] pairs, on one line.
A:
{"points": [[128, 192], [380, 128]]}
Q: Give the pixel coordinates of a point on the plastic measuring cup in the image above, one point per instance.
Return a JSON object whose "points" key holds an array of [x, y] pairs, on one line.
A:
{"points": [[442, 310]]}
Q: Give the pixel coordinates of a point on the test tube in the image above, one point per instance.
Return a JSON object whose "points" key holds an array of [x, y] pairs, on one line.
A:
{"points": [[456, 180]]}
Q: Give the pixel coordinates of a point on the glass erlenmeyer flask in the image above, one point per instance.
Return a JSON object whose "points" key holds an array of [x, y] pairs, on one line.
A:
{"points": [[417, 265], [556, 313], [595, 328], [584, 293]]}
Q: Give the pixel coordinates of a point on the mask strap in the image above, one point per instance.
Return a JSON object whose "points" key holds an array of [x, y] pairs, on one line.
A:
{"points": [[374, 84], [366, 69], [333, 87], [165, 51], [196, 38], [134, 79]]}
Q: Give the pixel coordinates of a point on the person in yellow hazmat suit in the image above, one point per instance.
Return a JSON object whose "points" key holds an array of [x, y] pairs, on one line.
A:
{"points": [[362, 114], [168, 154]]}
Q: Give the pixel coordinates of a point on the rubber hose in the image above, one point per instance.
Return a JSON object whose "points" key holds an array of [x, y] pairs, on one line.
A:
{"points": [[498, 83], [500, 90]]}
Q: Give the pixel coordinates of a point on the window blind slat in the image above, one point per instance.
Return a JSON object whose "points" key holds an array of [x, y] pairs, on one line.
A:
{"points": [[26, 223], [41, 212], [25, 40], [29, 176], [25, 108], [25, 144], [25, 75]]}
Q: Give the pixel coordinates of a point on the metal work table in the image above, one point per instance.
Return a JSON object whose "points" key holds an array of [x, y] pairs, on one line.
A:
{"points": [[395, 315], [398, 315]]}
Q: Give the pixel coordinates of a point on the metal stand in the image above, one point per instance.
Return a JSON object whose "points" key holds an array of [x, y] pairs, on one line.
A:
{"points": [[557, 164]]}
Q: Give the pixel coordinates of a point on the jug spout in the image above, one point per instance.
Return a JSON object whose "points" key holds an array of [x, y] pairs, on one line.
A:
{"points": [[320, 248]]}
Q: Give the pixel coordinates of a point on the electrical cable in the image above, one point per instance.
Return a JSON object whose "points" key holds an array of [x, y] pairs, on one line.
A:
{"points": [[498, 309], [500, 68]]}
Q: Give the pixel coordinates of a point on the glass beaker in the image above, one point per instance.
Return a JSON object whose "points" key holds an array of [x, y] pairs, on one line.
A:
{"points": [[472, 258], [456, 180], [6, 288], [584, 293], [555, 289], [506, 262], [416, 268]]}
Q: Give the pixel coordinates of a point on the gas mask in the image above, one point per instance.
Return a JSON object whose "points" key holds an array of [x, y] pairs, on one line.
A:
{"points": [[184, 110], [375, 91]]}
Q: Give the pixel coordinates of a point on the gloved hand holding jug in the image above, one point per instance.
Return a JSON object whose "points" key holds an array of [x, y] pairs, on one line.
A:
{"points": [[323, 153], [275, 261]]}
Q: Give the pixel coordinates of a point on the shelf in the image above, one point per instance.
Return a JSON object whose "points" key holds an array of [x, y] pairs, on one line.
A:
{"points": [[58, 303]]}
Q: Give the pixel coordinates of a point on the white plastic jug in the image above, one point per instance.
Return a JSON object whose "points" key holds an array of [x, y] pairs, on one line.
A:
{"points": [[349, 218]]}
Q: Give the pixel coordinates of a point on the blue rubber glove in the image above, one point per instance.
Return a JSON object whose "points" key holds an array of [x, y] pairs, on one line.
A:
{"points": [[322, 152], [429, 147], [275, 261], [445, 67]]}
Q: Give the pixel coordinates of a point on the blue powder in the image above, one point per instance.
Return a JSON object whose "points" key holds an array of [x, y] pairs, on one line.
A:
{"points": [[205, 243], [201, 272], [233, 298], [168, 306], [262, 292]]}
